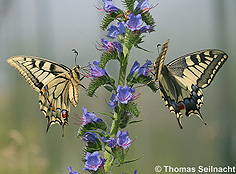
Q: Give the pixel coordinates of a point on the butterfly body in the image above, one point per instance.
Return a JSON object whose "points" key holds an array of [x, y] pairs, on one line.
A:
{"points": [[182, 80], [56, 84]]}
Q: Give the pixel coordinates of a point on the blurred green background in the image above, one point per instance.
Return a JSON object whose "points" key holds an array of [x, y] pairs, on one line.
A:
{"points": [[51, 28]]}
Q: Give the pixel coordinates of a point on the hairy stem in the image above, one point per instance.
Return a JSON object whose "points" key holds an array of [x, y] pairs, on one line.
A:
{"points": [[116, 116]]}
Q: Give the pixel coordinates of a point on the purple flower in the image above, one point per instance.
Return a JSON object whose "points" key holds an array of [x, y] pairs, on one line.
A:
{"points": [[113, 102], [106, 45], [143, 70], [135, 171], [113, 30], [93, 161], [146, 29], [134, 68], [143, 5], [96, 70], [118, 46], [124, 94], [89, 117], [109, 7], [111, 142], [123, 139], [90, 137], [135, 22], [110, 46], [71, 171]]}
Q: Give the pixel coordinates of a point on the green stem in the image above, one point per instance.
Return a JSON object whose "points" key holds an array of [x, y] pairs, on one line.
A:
{"points": [[117, 116], [123, 67]]}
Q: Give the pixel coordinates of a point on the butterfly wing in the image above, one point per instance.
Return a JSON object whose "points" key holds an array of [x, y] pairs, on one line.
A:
{"points": [[179, 96], [36, 71], [54, 100], [182, 80], [55, 83], [159, 63], [200, 67]]}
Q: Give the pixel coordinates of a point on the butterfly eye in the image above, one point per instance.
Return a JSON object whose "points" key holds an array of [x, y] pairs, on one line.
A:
{"points": [[64, 114]]}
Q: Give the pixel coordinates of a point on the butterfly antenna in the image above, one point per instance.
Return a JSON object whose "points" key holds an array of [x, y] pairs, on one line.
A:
{"points": [[76, 54], [158, 48]]}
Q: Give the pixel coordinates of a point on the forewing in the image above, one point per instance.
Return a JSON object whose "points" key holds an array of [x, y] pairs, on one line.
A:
{"points": [[199, 67], [37, 71], [159, 63]]}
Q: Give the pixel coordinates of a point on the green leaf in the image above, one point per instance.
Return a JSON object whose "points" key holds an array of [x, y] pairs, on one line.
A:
{"points": [[107, 19], [106, 57], [130, 161], [144, 80], [135, 121], [107, 114], [132, 108], [98, 82], [129, 4], [148, 19], [109, 88]]}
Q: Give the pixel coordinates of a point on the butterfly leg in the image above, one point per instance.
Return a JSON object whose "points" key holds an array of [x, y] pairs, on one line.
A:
{"points": [[82, 86]]}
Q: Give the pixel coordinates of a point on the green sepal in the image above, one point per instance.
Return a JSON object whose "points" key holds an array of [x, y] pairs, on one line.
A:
{"points": [[106, 57], [98, 82], [148, 19]]}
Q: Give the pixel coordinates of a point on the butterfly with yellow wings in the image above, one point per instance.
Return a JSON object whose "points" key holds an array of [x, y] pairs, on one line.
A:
{"points": [[181, 81], [56, 84]]}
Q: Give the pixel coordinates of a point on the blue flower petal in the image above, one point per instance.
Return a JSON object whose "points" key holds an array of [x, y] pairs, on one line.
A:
{"points": [[143, 70], [93, 161], [143, 5], [113, 102], [124, 94], [109, 7], [113, 31], [96, 70], [134, 68], [123, 139], [89, 117], [135, 22], [71, 171]]}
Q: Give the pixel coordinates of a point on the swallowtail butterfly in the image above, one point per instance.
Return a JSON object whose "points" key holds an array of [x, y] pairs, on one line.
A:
{"points": [[181, 81], [56, 84]]}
